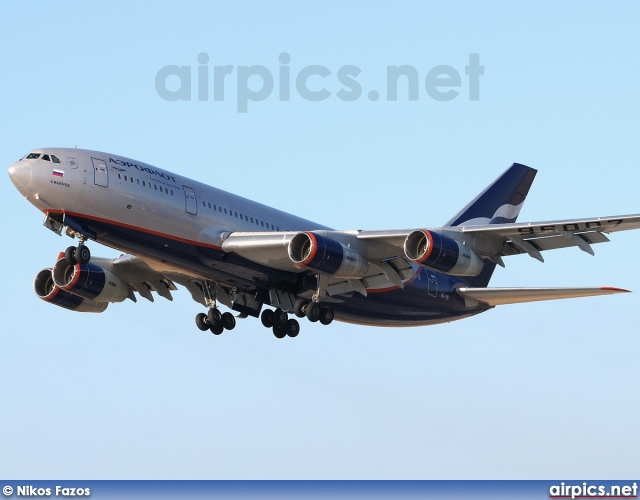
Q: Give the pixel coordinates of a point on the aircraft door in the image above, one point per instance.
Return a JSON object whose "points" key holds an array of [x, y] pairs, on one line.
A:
{"points": [[191, 203], [100, 173]]}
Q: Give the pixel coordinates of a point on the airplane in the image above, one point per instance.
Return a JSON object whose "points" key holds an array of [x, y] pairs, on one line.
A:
{"points": [[261, 262]]}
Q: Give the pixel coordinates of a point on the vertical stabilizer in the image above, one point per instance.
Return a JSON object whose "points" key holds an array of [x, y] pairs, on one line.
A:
{"points": [[498, 204]]}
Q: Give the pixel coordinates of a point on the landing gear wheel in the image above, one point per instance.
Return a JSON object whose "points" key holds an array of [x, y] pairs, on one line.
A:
{"points": [[215, 317], [69, 256], [82, 254], [292, 328], [279, 332], [202, 322], [300, 307], [267, 318], [216, 329], [326, 315], [280, 317], [313, 312], [228, 321]]}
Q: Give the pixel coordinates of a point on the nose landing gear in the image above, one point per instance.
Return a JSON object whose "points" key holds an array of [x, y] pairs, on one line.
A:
{"points": [[77, 255]]}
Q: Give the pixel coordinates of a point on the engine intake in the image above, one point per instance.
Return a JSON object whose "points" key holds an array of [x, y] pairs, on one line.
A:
{"points": [[327, 256], [441, 253], [47, 290], [89, 281]]}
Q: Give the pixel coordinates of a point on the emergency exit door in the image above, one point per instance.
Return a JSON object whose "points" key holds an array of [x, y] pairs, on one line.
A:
{"points": [[191, 203]]}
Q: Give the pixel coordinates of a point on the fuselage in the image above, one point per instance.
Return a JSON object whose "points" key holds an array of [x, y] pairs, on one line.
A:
{"points": [[181, 223]]}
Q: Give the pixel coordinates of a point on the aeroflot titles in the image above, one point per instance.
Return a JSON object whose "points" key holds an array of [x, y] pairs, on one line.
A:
{"points": [[143, 169]]}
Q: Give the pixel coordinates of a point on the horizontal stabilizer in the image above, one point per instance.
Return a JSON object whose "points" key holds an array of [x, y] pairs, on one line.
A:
{"points": [[501, 296]]}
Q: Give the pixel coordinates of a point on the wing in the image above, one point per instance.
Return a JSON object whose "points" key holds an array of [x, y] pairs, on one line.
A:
{"points": [[343, 263], [144, 277], [494, 241], [359, 261]]}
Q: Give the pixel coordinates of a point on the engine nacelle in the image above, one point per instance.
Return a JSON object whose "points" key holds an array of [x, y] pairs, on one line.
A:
{"points": [[47, 290], [441, 253], [89, 281], [327, 256]]}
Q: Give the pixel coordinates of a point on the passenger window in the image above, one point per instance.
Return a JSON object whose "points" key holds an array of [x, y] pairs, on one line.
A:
{"points": [[155, 187], [125, 178]]}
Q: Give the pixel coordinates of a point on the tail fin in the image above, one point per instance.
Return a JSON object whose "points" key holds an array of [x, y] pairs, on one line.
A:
{"points": [[500, 202]]}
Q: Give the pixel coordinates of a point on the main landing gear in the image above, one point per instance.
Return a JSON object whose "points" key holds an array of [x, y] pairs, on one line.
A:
{"points": [[215, 321], [280, 323], [282, 326], [277, 320]]}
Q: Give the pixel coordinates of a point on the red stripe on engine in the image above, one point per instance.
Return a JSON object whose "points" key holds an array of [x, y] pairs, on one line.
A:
{"points": [[314, 249], [76, 277], [429, 246]]}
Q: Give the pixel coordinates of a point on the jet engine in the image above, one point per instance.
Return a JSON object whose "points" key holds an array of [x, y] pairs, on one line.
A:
{"points": [[89, 281], [441, 253], [327, 256], [47, 290]]}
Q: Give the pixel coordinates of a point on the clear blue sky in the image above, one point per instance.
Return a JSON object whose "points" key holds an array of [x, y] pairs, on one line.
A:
{"points": [[545, 390]]}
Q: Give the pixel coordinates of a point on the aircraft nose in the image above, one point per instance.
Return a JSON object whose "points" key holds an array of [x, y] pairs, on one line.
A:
{"points": [[20, 174]]}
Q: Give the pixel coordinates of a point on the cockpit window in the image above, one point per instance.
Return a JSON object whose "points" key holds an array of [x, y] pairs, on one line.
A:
{"points": [[54, 158], [46, 158], [33, 156]]}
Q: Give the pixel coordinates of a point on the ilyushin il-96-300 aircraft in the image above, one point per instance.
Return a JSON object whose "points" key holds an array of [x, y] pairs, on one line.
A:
{"points": [[225, 249]]}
